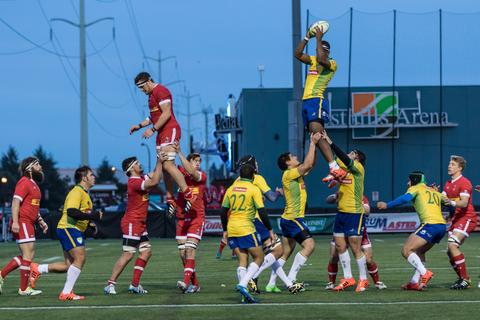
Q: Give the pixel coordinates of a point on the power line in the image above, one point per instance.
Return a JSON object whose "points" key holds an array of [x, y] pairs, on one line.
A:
{"points": [[22, 51], [133, 22]]}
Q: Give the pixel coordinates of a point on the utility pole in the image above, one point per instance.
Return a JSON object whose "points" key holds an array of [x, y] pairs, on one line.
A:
{"points": [[159, 60], [83, 78], [189, 97], [206, 111], [295, 125]]}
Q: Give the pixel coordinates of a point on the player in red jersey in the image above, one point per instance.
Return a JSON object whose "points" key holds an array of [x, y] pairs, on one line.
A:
{"points": [[163, 122], [458, 193], [366, 248], [190, 224], [25, 213], [134, 224]]}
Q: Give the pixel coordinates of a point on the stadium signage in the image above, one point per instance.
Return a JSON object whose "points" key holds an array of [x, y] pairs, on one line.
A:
{"points": [[226, 124], [377, 115]]}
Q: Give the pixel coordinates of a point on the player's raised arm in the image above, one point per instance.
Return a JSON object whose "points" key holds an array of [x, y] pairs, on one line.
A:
{"points": [[197, 175], [299, 54], [154, 176], [322, 50], [309, 162]]}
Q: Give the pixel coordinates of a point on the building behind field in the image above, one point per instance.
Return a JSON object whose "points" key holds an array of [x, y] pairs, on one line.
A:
{"points": [[417, 128]]}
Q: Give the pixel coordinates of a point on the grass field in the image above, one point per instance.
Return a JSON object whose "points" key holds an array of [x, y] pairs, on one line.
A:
{"points": [[218, 300]]}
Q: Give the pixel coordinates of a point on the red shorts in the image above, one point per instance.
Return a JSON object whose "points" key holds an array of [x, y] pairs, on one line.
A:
{"points": [[168, 136], [133, 230], [189, 228], [26, 232], [463, 225]]}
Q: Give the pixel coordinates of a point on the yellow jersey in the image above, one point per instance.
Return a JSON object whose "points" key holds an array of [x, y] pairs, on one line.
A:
{"points": [[77, 198], [243, 199], [261, 184], [318, 78], [350, 192], [295, 194], [427, 203]]}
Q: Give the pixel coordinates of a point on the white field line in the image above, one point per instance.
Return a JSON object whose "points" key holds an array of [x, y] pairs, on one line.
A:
{"points": [[259, 305], [52, 259]]}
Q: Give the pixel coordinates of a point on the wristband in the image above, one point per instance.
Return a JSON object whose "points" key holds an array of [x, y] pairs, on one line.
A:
{"points": [[140, 125], [306, 39], [154, 129]]}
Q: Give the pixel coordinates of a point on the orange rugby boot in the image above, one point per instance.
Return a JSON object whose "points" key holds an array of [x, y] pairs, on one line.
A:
{"points": [[425, 279], [70, 297], [411, 286], [362, 285], [345, 283], [34, 274]]}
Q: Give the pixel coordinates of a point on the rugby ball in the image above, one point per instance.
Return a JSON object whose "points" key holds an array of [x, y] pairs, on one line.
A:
{"points": [[323, 25]]}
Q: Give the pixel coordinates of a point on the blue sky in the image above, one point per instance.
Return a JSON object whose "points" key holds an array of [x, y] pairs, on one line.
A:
{"points": [[218, 46]]}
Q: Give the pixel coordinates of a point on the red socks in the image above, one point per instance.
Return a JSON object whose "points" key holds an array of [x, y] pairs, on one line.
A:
{"points": [[373, 271], [24, 274], [188, 270], [137, 271], [332, 272], [11, 265], [461, 267]]}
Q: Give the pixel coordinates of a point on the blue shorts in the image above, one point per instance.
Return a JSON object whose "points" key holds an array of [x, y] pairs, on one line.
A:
{"points": [[432, 233], [249, 241], [315, 109], [261, 230], [348, 224], [290, 228], [70, 238]]}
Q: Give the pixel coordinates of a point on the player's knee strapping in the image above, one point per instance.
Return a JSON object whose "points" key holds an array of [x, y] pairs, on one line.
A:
{"points": [[144, 246], [171, 156], [181, 246], [453, 239], [191, 245], [269, 248], [129, 249]]}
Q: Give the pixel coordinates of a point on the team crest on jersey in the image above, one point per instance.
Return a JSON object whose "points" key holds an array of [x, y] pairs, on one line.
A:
{"points": [[35, 202], [80, 240]]}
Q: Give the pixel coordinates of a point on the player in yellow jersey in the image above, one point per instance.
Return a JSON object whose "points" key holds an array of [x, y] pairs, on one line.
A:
{"points": [[243, 200], [292, 223], [76, 216], [428, 204], [349, 220], [273, 250], [315, 108]]}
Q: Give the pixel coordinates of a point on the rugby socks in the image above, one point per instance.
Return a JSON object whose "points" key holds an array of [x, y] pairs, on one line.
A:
{"points": [[298, 262], [345, 262], [24, 274], [43, 268], [415, 261], [194, 278], [273, 275], [11, 265], [267, 262], [252, 269], [241, 272], [332, 272], [222, 246], [278, 270], [72, 275], [188, 270], [362, 268], [138, 270], [373, 271], [333, 165], [454, 266], [461, 267]]}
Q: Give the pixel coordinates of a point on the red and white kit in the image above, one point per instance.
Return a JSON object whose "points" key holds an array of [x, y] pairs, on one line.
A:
{"points": [[190, 225], [170, 133], [134, 222], [29, 194], [464, 219]]}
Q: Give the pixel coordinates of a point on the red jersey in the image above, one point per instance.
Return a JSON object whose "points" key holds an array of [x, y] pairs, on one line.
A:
{"points": [[198, 189], [29, 194], [161, 95], [137, 200], [455, 188]]}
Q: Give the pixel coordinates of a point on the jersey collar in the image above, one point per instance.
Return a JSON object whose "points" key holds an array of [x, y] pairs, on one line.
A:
{"points": [[457, 178]]}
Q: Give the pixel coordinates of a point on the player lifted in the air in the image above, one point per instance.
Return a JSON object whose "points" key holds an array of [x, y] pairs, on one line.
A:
{"points": [[458, 194], [294, 228], [428, 204], [372, 266], [349, 220], [243, 199], [315, 108], [25, 213], [162, 120], [134, 224], [190, 224]]}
